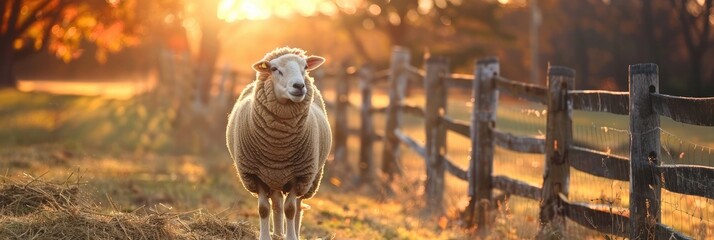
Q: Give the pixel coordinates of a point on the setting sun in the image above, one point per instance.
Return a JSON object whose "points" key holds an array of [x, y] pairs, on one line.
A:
{"points": [[234, 10]]}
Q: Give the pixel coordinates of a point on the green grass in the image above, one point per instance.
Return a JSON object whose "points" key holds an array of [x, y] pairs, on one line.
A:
{"points": [[79, 122]]}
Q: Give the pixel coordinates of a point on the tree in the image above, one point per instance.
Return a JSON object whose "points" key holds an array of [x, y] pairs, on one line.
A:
{"points": [[209, 47], [204, 14], [59, 26], [424, 24], [695, 18]]}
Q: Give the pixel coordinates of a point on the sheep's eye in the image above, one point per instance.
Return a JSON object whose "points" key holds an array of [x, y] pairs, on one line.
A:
{"points": [[273, 69], [305, 67]]}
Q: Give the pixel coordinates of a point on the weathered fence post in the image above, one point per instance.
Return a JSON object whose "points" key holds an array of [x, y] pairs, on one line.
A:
{"points": [[341, 131], [366, 163], [483, 122], [436, 69], [559, 137], [397, 83], [644, 152]]}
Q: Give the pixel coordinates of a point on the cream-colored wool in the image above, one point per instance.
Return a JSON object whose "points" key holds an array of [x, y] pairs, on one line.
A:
{"points": [[279, 145]]}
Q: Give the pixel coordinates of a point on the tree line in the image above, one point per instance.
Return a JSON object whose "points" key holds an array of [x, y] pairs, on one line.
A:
{"points": [[597, 37]]}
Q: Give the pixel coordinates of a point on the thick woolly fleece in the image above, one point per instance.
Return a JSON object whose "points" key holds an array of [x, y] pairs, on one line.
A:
{"points": [[279, 146]]}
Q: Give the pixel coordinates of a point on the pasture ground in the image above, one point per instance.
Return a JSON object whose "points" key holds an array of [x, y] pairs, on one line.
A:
{"points": [[119, 152]]}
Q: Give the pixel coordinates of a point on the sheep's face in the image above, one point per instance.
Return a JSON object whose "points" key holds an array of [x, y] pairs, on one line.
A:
{"points": [[289, 73]]}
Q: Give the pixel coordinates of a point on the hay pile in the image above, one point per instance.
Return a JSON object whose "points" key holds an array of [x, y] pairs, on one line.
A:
{"points": [[41, 210]]}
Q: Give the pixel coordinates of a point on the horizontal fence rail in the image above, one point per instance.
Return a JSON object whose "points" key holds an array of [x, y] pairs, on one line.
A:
{"points": [[688, 179], [380, 76], [406, 140], [604, 221], [377, 137], [378, 109], [600, 164], [601, 101], [460, 81], [516, 187], [665, 232], [457, 126], [530, 92], [415, 73], [414, 110], [695, 111], [450, 166], [455, 170], [518, 143]]}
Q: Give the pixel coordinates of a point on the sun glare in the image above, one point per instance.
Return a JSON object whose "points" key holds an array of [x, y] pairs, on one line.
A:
{"points": [[234, 10]]}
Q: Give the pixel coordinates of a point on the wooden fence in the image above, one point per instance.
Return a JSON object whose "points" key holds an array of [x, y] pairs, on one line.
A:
{"points": [[643, 103]]}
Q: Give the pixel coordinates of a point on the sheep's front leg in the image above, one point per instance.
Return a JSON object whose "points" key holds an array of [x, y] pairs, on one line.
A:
{"points": [[264, 213], [290, 211], [276, 197], [298, 216]]}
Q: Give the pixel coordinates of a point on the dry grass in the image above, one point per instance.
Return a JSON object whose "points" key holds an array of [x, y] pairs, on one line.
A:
{"points": [[185, 183], [20, 199], [36, 209]]}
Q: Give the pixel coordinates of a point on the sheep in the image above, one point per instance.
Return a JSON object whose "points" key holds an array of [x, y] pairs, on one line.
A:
{"points": [[278, 136]]}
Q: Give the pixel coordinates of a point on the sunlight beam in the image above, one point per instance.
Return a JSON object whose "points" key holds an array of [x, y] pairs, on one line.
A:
{"points": [[234, 10]]}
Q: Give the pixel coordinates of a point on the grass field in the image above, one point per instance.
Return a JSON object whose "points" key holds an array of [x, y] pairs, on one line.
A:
{"points": [[122, 150]]}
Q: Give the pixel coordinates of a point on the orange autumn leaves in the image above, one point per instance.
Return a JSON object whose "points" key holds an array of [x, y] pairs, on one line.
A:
{"points": [[61, 27]]}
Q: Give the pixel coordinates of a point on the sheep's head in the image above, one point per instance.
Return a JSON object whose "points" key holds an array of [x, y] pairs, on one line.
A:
{"points": [[288, 73]]}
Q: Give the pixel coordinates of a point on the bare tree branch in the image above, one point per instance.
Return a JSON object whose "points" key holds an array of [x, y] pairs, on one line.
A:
{"points": [[352, 35], [686, 24], [12, 21], [3, 6], [689, 25], [47, 33], [33, 18]]}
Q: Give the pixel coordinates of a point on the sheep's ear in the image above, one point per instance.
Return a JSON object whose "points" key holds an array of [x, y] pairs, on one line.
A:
{"points": [[262, 66], [314, 62]]}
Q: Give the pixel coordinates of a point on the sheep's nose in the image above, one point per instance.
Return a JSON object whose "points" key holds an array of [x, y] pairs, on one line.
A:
{"points": [[298, 85]]}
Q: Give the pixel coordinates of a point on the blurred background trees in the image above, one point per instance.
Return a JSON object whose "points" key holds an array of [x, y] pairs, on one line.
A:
{"points": [[696, 20], [60, 27], [597, 37], [194, 56], [449, 28]]}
